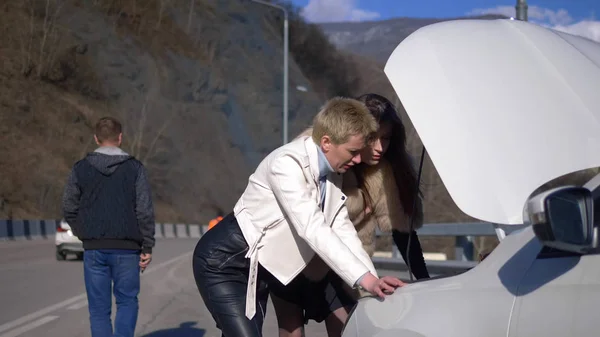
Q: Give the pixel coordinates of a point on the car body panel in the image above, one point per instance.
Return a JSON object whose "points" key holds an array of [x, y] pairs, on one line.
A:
{"points": [[502, 107], [557, 297], [437, 308]]}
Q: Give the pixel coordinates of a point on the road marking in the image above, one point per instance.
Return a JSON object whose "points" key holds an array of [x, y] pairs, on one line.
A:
{"points": [[166, 263], [30, 326], [78, 306], [40, 313], [73, 300]]}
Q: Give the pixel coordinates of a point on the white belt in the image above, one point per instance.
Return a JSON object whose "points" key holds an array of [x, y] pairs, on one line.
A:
{"points": [[253, 275]]}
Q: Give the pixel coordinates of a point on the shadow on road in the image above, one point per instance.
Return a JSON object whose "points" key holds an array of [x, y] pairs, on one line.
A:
{"points": [[185, 329]]}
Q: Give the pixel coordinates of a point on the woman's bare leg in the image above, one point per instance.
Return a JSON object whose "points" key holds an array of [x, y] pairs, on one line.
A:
{"points": [[290, 317]]}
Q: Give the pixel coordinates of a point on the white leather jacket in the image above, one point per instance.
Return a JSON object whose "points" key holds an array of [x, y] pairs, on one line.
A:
{"points": [[284, 226]]}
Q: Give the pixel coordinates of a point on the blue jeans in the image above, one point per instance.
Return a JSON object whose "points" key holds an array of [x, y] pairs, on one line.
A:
{"points": [[120, 271]]}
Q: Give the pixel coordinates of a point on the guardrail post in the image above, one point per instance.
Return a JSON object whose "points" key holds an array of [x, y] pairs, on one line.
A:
{"points": [[181, 231], [464, 248], [49, 228], [4, 229], [169, 230], [195, 231], [35, 230], [18, 230], [158, 230]]}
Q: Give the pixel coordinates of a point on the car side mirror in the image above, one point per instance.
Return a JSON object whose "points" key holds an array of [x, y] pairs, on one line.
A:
{"points": [[562, 218]]}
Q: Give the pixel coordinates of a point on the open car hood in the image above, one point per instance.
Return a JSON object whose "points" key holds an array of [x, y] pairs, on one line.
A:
{"points": [[502, 107]]}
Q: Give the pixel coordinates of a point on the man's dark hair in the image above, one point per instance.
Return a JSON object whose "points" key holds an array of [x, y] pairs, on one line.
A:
{"points": [[108, 129]]}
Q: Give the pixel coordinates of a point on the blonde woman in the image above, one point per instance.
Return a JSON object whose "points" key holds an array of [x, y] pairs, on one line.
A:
{"points": [[283, 219]]}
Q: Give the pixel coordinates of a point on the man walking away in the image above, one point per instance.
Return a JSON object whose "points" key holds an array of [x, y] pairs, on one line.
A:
{"points": [[107, 202]]}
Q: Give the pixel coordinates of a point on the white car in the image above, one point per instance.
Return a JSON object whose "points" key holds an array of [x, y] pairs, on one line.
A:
{"points": [[503, 107], [67, 243]]}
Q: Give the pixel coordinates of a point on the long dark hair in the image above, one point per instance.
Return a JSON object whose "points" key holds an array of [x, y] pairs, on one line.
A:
{"points": [[404, 172]]}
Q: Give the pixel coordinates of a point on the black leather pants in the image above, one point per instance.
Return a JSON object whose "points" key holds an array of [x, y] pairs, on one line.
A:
{"points": [[221, 273]]}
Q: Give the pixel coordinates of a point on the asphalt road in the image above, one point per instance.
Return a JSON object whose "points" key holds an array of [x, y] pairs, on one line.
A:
{"points": [[44, 297]]}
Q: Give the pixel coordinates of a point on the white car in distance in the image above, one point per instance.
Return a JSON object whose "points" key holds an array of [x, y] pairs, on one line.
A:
{"points": [[66, 243]]}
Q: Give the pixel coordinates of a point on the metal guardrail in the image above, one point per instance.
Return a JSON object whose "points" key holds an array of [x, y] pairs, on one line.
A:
{"points": [[463, 232], [27, 229], [464, 248], [36, 229], [434, 267]]}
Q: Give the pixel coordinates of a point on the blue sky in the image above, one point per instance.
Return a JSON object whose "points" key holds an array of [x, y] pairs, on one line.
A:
{"points": [[580, 17], [577, 9]]}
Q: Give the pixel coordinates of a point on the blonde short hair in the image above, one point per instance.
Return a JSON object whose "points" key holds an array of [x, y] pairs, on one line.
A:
{"points": [[341, 118]]}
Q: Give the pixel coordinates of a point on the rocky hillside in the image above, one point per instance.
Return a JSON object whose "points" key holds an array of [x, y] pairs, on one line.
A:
{"points": [[197, 84]]}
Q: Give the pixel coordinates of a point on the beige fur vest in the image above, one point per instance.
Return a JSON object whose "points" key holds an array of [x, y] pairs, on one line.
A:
{"points": [[387, 212]]}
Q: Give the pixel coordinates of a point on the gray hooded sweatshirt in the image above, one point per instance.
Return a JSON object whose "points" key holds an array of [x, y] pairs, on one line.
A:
{"points": [[107, 202]]}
